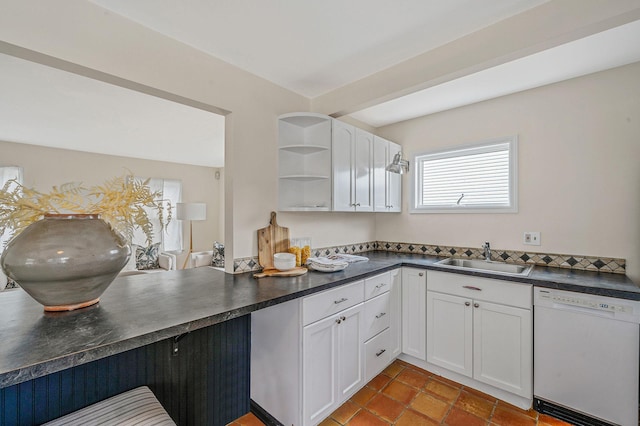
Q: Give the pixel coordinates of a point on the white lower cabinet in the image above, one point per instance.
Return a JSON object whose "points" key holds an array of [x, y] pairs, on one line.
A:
{"points": [[503, 348], [450, 332], [309, 355], [482, 329], [332, 360], [414, 314], [377, 354], [395, 307]]}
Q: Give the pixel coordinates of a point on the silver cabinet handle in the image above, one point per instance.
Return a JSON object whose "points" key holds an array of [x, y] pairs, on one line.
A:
{"points": [[470, 287], [476, 305], [381, 352], [421, 274], [357, 204], [340, 301], [467, 303], [339, 320], [381, 285], [380, 315]]}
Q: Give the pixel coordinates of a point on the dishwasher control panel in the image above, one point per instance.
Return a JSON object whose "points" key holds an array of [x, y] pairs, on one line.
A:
{"points": [[622, 309]]}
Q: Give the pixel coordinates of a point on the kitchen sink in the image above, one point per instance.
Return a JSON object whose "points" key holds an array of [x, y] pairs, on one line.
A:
{"points": [[486, 266]]}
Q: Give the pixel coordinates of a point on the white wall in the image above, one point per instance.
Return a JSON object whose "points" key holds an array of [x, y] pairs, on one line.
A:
{"points": [[579, 176], [46, 167]]}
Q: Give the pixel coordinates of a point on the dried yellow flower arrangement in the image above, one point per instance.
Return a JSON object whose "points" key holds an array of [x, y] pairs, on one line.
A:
{"points": [[122, 202]]}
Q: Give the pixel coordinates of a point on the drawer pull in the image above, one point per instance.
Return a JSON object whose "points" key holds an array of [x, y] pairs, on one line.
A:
{"points": [[380, 315], [381, 285], [340, 301], [421, 274], [470, 287], [340, 319], [476, 305], [467, 303], [381, 352]]}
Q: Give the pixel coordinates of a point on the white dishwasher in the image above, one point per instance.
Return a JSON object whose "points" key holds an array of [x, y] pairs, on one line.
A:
{"points": [[586, 355]]}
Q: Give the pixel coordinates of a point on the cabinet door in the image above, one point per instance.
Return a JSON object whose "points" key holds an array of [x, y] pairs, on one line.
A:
{"points": [[380, 158], [319, 349], [394, 183], [349, 356], [503, 347], [414, 316], [343, 173], [450, 332], [362, 169], [395, 310], [387, 186]]}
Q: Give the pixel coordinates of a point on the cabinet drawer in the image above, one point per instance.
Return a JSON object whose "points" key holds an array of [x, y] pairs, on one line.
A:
{"points": [[329, 302], [377, 355], [477, 288], [376, 315], [377, 285]]}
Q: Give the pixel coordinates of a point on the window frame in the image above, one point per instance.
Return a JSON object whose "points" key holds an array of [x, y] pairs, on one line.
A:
{"points": [[460, 150]]}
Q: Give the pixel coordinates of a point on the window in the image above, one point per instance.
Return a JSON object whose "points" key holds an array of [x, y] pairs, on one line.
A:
{"points": [[478, 178], [171, 238], [7, 174]]}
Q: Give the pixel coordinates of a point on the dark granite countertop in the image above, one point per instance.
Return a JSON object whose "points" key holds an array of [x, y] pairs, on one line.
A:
{"points": [[141, 309]]}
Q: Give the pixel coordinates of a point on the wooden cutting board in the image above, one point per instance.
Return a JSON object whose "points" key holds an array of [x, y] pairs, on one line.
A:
{"points": [[272, 239], [276, 273]]}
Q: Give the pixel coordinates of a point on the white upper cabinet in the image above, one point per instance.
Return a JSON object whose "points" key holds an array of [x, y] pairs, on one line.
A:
{"points": [[304, 162], [344, 137], [327, 165], [387, 186], [352, 165]]}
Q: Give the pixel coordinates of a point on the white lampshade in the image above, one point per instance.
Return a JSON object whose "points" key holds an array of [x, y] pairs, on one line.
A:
{"points": [[191, 211]]}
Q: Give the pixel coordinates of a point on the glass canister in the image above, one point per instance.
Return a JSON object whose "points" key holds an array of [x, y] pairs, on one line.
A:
{"points": [[301, 247]]}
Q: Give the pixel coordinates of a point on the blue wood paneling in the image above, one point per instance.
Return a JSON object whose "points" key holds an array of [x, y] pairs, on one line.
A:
{"points": [[206, 383]]}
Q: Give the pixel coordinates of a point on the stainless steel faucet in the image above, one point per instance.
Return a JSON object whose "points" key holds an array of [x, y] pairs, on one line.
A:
{"points": [[487, 251]]}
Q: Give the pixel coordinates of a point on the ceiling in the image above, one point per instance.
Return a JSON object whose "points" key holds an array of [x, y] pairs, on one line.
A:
{"points": [[313, 47]]}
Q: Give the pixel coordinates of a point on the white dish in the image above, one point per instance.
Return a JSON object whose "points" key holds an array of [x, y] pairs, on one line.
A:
{"points": [[327, 268], [284, 261]]}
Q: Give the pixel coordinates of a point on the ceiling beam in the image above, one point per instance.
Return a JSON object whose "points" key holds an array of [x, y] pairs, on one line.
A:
{"points": [[548, 25]]}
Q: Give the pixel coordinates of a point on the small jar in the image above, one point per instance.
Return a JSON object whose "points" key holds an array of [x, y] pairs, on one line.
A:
{"points": [[295, 249], [303, 244]]}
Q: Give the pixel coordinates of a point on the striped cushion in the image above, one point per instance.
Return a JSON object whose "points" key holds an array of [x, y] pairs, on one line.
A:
{"points": [[135, 407]]}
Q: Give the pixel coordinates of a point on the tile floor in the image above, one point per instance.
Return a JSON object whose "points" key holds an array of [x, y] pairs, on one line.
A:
{"points": [[406, 395]]}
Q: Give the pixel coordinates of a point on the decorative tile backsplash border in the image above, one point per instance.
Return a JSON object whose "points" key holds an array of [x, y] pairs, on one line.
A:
{"points": [[568, 261]]}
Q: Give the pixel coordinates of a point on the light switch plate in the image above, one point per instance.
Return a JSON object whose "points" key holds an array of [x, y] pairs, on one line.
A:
{"points": [[531, 238]]}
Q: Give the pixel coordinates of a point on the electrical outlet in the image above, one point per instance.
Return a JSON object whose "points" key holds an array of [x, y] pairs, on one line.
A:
{"points": [[531, 238]]}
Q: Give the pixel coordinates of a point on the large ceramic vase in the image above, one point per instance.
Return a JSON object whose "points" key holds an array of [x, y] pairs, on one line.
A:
{"points": [[66, 261]]}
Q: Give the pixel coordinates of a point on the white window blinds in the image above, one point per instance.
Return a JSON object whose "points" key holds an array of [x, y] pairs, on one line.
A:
{"points": [[478, 178]]}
